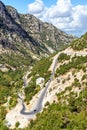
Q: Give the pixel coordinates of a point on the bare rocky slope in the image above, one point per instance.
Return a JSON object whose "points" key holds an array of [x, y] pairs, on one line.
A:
{"points": [[18, 30]]}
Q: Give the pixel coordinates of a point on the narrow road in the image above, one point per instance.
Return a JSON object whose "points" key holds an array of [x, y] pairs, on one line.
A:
{"points": [[39, 104]]}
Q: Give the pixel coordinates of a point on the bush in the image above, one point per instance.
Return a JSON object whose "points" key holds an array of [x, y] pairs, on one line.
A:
{"points": [[2, 113], [17, 124], [63, 57], [73, 64], [80, 44]]}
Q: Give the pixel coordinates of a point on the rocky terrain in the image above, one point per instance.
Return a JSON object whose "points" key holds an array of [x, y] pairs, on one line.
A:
{"points": [[29, 32], [40, 90], [66, 91]]}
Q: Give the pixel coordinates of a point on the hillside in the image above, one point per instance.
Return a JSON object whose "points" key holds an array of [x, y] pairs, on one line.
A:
{"points": [[28, 31], [64, 104], [66, 98], [40, 90], [45, 33], [24, 39], [80, 44]]}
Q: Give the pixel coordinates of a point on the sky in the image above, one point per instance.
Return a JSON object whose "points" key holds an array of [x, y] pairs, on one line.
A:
{"points": [[68, 15]]}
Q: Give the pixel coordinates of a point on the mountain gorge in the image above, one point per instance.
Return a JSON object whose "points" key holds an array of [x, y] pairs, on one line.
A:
{"points": [[43, 75]]}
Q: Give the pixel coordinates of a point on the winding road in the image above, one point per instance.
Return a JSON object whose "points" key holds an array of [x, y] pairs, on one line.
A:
{"points": [[39, 103], [20, 112]]}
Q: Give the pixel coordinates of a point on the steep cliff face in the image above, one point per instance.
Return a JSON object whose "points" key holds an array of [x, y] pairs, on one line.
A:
{"points": [[45, 33], [12, 33], [13, 12]]}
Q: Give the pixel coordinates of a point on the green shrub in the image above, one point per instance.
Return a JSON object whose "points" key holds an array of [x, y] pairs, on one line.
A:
{"points": [[17, 124], [63, 57], [80, 44], [72, 64]]}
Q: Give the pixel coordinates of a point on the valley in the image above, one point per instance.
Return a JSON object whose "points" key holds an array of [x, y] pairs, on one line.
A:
{"points": [[43, 75]]}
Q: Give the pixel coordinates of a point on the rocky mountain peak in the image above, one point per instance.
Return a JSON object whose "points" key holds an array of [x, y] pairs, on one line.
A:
{"points": [[11, 31], [13, 12], [5, 17], [2, 7]]}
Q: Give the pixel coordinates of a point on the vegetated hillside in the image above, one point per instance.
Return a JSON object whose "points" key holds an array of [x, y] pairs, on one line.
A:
{"points": [[81, 43], [12, 83], [66, 98]]}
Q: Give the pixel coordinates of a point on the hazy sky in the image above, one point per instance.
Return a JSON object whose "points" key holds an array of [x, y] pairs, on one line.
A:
{"points": [[68, 15]]}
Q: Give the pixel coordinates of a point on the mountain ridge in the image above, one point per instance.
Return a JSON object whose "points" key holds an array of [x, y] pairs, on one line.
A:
{"points": [[30, 31]]}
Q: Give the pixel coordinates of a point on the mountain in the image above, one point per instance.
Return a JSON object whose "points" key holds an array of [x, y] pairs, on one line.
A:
{"points": [[63, 76], [44, 33], [29, 32], [33, 80], [12, 33]]}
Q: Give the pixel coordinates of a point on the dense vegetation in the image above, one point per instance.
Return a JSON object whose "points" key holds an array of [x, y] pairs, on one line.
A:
{"points": [[31, 90], [76, 63], [10, 83], [16, 60], [40, 69], [63, 57], [80, 44]]}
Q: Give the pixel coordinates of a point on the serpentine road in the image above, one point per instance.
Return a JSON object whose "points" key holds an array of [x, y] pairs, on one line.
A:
{"points": [[39, 104], [20, 113]]}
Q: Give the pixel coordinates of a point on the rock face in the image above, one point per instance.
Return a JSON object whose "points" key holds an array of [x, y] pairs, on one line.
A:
{"points": [[11, 32], [39, 81], [13, 12], [26, 31], [45, 33]]}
